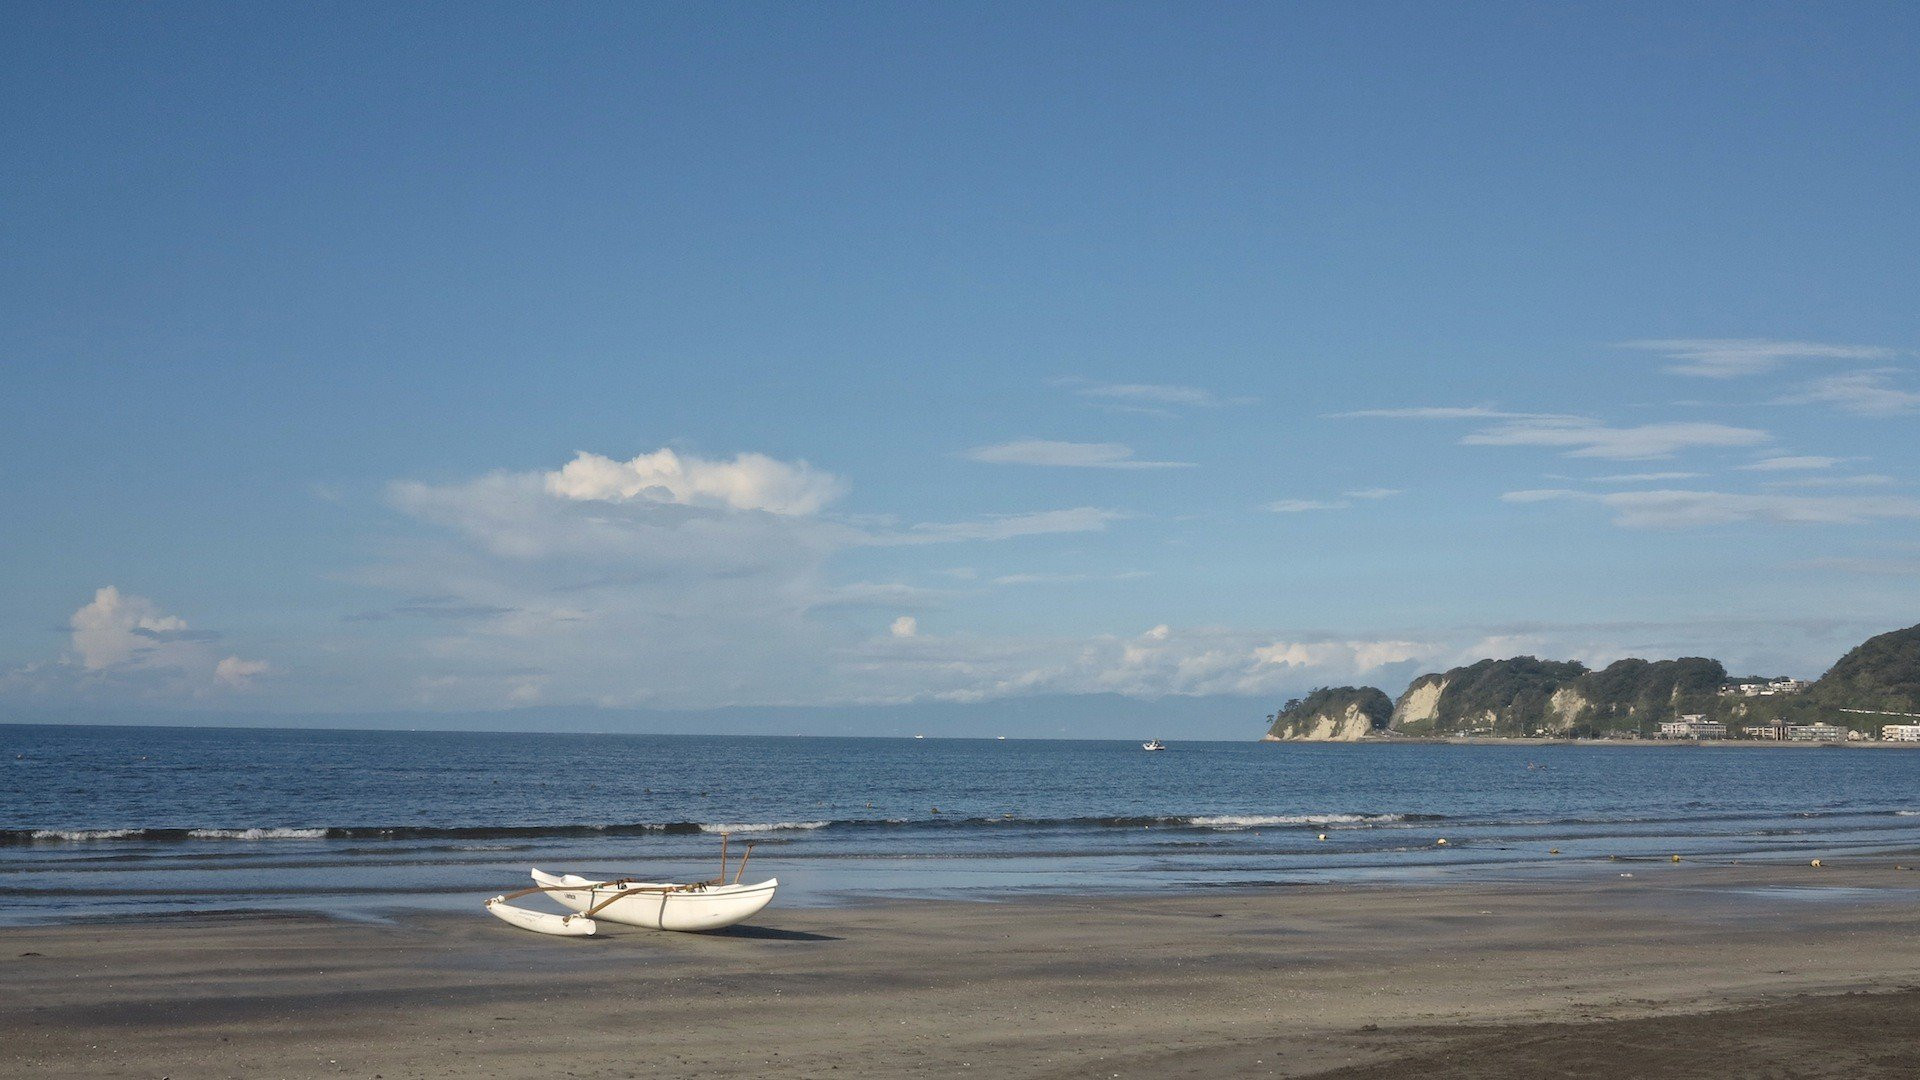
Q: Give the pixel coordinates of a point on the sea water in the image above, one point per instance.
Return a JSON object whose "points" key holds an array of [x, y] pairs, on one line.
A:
{"points": [[134, 820]]}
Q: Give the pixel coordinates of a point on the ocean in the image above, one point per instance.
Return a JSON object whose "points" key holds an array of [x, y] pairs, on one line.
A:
{"points": [[99, 821]]}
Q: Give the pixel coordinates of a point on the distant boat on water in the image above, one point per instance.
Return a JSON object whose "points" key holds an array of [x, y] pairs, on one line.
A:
{"points": [[1153, 744]]}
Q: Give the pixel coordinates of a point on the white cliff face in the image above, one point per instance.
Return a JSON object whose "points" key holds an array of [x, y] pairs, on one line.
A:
{"points": [[1347, 725], [1564, 709], [1421, 703]]}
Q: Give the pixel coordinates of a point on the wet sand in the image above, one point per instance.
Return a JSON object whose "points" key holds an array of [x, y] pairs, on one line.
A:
{"points": [[1682, 970]]}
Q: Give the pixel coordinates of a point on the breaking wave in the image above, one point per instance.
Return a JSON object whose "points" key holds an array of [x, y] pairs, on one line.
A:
{"points": [[1200, 822]]}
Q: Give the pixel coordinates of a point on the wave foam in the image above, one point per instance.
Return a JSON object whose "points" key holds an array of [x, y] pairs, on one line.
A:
{"points": [[257, 834], [777, 826], [1253, 821], [81, 836]]}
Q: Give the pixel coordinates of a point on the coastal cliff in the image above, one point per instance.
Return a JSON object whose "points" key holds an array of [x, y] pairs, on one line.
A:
{"points": [[1525, 696], [1332, 714]]}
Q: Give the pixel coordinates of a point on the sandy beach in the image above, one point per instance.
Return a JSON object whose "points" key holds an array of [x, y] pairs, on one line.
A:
{"points": [[1679, 970]]}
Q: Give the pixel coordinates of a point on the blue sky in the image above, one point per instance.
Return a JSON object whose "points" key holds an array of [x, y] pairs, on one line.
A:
{"points": [[996, 351]]}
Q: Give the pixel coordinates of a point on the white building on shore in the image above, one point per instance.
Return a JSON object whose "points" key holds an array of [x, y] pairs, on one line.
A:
{"points": [[1694, 726], [1900, 732], [1764, 687], [1816, 733]]}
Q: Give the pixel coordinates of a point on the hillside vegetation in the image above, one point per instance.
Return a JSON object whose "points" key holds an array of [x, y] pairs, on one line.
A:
{"points": [[1333, 713], [1524, 695]]}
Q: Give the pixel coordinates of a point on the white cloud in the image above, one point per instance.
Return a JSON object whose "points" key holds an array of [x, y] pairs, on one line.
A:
{"points": [[114, 627], [1725, 358], [237, 673], [718, 594], [1156, 394], [1344, 502], [1791, 464], [1439, 412], [1875, 567], [124, 647], [1864, 480], [1645, 477], [1003, 527], [748, 482], [1067, 455], [1351, 656], [1588, 438], [1863, 393], [1695, 509], [905, 626], [1533, 495]]}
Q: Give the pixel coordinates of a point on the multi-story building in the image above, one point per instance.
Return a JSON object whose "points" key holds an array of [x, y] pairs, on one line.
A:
{"points": [[1900, 732], [1693, 727], [1815, 733]]}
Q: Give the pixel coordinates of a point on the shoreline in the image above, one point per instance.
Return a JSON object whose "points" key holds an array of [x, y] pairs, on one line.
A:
{"points": [[1378, 980], [1672, 744]]}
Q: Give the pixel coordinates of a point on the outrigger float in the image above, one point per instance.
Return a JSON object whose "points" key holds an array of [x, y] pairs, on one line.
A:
{"points": [[699, 905]]}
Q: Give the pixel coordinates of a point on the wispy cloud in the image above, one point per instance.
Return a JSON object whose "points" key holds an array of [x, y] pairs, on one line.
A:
{"points": [[1588, 438], [1864, 480], [1344, 502], [1438, 412], [1876, 567], [1727, 358], [1067, 579], [1072, 455], [1793, 464], [1863, 393], [1645, 477], [1005, 527], [1693, 509], [1153, 394]]}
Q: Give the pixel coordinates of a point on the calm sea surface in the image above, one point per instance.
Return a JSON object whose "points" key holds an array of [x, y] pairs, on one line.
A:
{"points": [[107, 821]]}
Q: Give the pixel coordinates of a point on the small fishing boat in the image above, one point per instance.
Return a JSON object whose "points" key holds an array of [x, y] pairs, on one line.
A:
{"points": [[1153, 744], [653, 905]]}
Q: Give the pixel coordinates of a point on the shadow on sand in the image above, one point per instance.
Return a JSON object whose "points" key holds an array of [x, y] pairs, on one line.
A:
{"points": [[767, 933]]}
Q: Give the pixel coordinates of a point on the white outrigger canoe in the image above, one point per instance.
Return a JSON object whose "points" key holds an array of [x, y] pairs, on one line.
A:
{"points": [[699, 905]]}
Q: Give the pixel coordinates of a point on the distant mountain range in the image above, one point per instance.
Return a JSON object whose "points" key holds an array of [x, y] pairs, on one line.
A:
{"points": [[1524, 695]]}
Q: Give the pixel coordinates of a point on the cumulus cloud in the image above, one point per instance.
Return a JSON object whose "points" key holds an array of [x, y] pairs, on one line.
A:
{"points": [[1726, 358], [1158, 662], [1694, 509], [1584, 437], [905, 626], [747, 482], [124, 646], [603, 585], [1066, 455], [238, 674]]}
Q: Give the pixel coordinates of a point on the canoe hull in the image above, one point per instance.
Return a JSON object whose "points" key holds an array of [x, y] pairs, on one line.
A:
{"points": [[644, 905]]}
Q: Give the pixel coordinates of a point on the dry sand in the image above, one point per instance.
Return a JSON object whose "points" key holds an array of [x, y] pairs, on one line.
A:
{"points": [[1681, 970]]}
